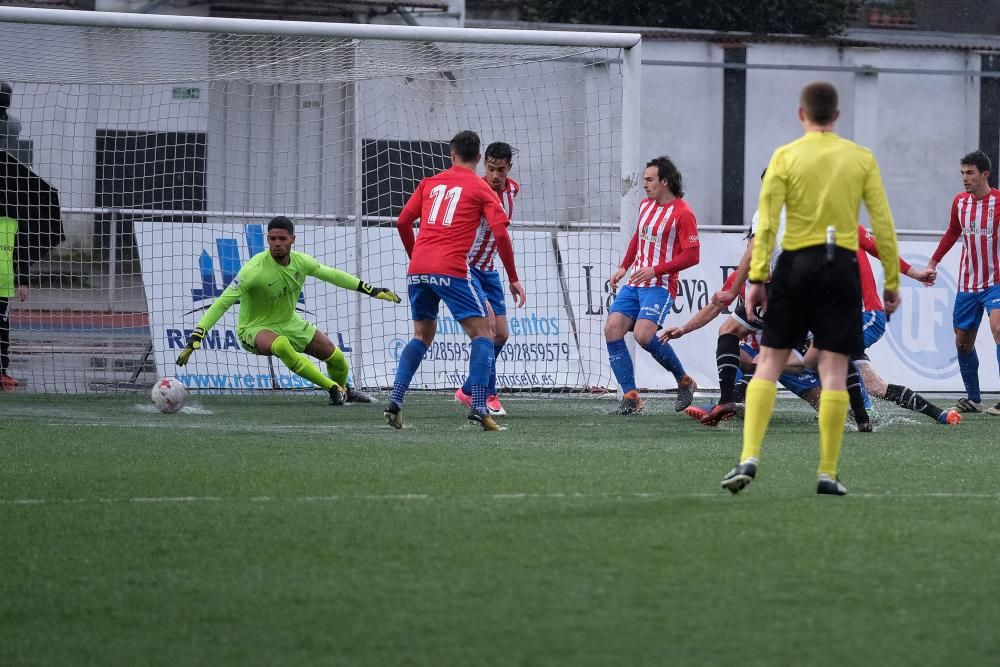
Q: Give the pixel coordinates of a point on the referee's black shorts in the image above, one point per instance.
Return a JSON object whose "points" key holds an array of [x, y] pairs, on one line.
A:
{"points": [[810, 293]]}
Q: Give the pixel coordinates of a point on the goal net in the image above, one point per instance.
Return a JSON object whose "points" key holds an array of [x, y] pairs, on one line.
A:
{"points": [[145, 156]]}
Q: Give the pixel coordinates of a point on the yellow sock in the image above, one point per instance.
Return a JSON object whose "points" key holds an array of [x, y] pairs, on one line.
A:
{"points": [[759, 406], [337, 368], [832, 414], [299, 363]]}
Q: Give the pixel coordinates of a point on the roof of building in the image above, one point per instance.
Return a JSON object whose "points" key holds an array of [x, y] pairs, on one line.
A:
{"points": [[317, 8], [49, 4], [854, 37], [264, 8]]}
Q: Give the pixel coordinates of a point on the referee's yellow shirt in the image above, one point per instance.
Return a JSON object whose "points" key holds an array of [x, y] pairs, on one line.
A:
{"points": [[821, 179]]}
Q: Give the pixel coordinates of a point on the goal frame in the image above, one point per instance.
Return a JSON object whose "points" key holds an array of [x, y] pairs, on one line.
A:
{"points": [[629, 43]]}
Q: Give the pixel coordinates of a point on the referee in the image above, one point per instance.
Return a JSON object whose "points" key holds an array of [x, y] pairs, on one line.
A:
{"points": [[821, 180]]}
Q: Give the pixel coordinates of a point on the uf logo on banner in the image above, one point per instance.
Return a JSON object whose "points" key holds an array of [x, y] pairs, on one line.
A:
{"points": [[920, 332], [228, 252]]}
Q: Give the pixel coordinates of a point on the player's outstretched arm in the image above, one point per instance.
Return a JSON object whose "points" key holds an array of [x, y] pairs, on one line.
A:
{"points": [[697, 321], [925, 276], [346, 280], [731, 289], [867, 243], [769, 205], [498, 222], [949, 238]]}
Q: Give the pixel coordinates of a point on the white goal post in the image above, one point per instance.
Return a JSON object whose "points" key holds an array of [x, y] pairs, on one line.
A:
{"points": [[149, 151]]}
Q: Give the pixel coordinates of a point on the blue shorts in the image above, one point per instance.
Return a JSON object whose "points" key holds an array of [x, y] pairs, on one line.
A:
{"points": [[797, 383], [643, 303], [490, 285], [462, 296], [873, 326], [969, 307]]}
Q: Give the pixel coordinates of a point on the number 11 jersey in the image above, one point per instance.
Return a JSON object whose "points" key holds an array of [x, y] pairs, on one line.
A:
{"points": [[450, 206]]}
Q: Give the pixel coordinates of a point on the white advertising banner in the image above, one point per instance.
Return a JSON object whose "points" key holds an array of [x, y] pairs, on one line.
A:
{"points": [[202, 259], [541, 351], [185, 267], [592, 261], [918, 349], [557, 340]]}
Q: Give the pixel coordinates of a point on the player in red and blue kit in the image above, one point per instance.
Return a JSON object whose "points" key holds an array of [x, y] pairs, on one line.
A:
{"points": [[450, 206], [873, 320], [665, 242], [498, 159], [744, 331], [975, 216]]}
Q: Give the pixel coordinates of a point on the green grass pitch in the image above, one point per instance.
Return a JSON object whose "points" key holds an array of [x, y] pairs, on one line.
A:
{"points": [[279, 530]]}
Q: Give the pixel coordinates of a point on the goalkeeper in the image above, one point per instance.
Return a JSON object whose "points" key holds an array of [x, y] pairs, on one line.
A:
{"points": [[268, 288]]}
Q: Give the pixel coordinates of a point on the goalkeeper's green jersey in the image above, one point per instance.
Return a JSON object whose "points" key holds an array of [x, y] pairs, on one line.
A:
{"points": [[267, 291], [8, 236]]}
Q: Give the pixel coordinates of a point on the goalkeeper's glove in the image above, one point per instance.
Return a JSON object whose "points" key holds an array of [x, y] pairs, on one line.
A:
{"points": [[197, 336], [378, 292]]}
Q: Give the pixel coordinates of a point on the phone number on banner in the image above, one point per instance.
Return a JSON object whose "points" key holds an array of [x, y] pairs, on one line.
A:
{"points": [[510, 352]]}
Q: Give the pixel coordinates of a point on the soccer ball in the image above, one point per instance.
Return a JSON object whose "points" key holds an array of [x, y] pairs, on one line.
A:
{"points": [[169, 395]]}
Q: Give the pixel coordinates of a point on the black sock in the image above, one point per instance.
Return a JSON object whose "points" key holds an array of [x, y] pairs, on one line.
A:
{"points": [[741, 386], [727, 358], [855, 395], [905, 397]]}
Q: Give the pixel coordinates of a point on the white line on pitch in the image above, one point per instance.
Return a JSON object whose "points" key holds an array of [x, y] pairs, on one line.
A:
{"points": [[639, 495], [377, 497]]}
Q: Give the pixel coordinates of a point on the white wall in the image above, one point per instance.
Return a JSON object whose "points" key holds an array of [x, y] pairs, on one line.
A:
{"points": [[918, 125], [772, 105], [682, 117]]}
